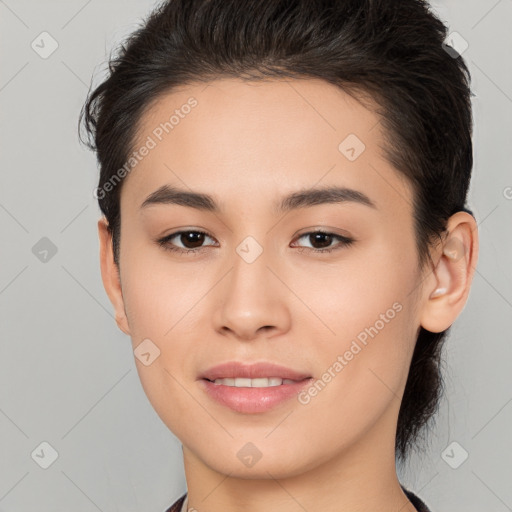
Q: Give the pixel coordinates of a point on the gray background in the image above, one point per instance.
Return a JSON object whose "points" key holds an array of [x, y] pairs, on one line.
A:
{"points": [[67, 374]]}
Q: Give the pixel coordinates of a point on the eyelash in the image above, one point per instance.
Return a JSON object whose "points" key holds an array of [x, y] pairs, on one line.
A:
{"points": [[344, 242]]}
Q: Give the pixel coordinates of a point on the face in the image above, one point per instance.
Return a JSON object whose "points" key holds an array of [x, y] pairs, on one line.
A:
{"points": [[249, 281]]}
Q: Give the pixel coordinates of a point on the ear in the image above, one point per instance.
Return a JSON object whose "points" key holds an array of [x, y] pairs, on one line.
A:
{"points": [[447, 287], [110, 275]]}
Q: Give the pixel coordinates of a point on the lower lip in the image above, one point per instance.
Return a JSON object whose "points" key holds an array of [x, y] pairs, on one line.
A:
{"points": [[253, 400]]}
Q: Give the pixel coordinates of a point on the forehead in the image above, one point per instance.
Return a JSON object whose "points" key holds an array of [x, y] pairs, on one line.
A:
{"points": [[231, 136], [278, 112]]}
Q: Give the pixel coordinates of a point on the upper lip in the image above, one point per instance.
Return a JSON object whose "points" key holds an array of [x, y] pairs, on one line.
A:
{"points": [[233, 369]]}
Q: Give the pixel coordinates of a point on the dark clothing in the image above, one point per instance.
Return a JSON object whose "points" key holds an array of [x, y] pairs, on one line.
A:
{"points": [[418, 504], [176, 506]]}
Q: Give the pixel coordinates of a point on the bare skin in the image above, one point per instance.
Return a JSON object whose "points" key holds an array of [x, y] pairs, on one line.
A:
{"points": [[248, 145]]}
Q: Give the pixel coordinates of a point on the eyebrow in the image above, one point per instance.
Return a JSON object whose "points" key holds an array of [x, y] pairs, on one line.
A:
{"points": [[167, 194]]}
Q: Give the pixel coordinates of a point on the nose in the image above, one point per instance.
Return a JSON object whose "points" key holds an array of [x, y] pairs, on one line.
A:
{"points": [[251, 301]]}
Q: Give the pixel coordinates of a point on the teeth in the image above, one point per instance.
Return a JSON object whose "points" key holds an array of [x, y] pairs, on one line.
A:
{"points": [[241, 382]]}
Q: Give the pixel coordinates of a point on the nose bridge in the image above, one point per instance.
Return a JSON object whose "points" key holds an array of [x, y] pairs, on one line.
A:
{"points": [[250, 272], [251, 298]]}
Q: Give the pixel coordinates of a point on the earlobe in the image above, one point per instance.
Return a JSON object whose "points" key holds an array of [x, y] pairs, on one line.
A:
{"points": [[448, 286], [110, 275]]}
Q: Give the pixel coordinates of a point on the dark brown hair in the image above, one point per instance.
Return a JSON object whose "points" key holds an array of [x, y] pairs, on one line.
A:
{"points": [[390, 51]]}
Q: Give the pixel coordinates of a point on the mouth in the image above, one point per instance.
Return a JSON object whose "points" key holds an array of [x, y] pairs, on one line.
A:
{"points": [[262, 374], [252, 388], [257, 398], [260, 382]]}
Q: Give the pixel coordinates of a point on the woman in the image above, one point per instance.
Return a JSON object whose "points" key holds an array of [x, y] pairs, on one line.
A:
{"points": [[286, 239]]}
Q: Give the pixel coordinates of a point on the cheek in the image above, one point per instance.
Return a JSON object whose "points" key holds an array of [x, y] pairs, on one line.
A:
{"points": [[367, 318], [159, 301], [352, 295], [361, 368], [159, 294]]}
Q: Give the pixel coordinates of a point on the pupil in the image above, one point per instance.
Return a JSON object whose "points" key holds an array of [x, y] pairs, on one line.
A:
{"points": [[192, 237], [319, 236]]}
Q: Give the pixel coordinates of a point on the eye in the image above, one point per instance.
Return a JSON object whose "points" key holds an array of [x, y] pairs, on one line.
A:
{"points": [[191, 241], [325, 239]]}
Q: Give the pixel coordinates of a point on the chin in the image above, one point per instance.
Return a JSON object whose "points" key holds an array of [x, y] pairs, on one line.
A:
{"points": [[248, 463]]}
